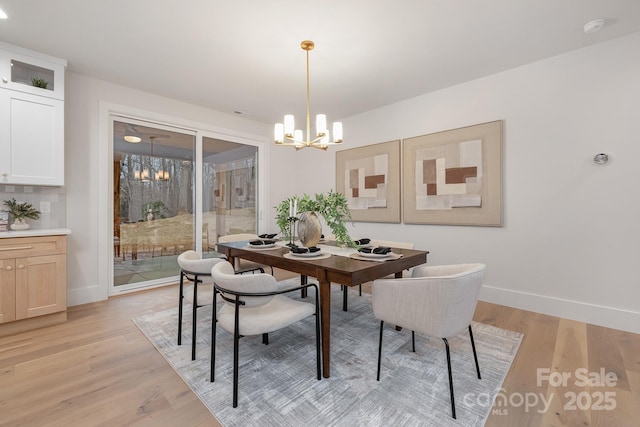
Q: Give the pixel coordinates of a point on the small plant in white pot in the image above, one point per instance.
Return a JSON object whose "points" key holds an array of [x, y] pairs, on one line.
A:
{"points": [[20, 212]]}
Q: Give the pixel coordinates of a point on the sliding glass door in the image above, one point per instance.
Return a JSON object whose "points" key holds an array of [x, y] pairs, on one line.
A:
{"points": [[165, 203]]}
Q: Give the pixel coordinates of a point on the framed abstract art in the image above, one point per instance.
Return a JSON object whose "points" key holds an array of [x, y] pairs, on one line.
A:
{"points": [[369, 177], [454, 177]]}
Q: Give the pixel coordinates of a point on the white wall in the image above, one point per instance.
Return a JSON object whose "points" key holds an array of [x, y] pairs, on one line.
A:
{"points": [[86, 166], [570, 240]]}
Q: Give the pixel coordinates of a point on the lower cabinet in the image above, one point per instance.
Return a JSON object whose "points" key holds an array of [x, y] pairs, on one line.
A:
{"points": [[33, 281]]}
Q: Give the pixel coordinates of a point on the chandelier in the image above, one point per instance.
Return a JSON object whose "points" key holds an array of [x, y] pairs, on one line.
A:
{"points": [[145, 176], [286, 134]]}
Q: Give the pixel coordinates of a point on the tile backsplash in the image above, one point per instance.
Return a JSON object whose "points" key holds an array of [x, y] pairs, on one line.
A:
{"points": [[50, 201]]}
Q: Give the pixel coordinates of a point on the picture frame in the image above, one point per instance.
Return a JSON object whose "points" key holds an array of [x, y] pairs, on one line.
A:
{"points": [[369, 177], [454, 177]]}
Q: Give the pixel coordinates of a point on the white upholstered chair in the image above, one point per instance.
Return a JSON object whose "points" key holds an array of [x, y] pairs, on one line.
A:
{"points": [[244, 265], [256, 305], [197, 271], [437, 300]]}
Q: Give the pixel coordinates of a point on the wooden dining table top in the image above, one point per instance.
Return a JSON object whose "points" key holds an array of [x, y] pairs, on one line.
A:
{"points": [[341, 269]]}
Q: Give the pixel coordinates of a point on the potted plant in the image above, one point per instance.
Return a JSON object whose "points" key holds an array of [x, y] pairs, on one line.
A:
{"points": [[42, 83], [19, 212], [332, 206]]}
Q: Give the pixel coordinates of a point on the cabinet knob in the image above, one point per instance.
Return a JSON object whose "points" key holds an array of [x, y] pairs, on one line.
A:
{"points": [[5, 174], [21, 266], [5, 80], [8, 267]]}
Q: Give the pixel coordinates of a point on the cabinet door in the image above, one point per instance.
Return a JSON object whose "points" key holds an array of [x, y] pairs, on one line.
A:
{"points": [[7, 290], [31, 139], [41, 286], [30, 72]]}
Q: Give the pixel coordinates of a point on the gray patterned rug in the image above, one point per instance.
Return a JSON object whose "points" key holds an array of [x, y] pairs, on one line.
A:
{"points": [[278, 387]]}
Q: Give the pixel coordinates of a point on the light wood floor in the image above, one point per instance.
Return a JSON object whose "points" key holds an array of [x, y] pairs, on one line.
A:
{"points": [[98, 369]]}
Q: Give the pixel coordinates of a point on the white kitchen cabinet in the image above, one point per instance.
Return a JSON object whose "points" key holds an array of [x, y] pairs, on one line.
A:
{"points": [[31, 139], [23, 70], [31, 119]]}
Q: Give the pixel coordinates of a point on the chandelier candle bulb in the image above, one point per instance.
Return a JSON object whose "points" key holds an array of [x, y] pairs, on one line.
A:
{"points": [[288, 125], [279, 133], [321, 124], [337, 132]]}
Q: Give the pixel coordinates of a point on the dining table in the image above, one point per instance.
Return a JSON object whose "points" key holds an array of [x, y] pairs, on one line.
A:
{"points": [[335, 265]]}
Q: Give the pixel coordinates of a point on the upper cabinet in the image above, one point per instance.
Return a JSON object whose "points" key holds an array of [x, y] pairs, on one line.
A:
{"points": [[31, 117], [29, 72]]}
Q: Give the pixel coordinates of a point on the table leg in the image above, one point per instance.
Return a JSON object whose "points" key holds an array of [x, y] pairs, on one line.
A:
{"points": [[303, 281], [325, 319]]}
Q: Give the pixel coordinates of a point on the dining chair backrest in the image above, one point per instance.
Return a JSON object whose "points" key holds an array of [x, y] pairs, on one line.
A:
{"points": [[437, 300], [191, 262], [224, 276]]}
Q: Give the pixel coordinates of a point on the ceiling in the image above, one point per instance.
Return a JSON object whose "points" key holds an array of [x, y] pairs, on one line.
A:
{"points": [[245, 56]]}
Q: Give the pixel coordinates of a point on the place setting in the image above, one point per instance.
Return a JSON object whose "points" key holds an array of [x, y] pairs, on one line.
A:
{"points": [[310, 253], [263, 242], [374, 253]]}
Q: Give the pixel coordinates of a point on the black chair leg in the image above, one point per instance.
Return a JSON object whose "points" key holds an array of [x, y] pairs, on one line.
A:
{"points": [[180, 298], [194, 317], [345, 289], [265, 339], [475, 355], [236, 339], [453, 402], [214, 324], [360, 290], [413, 340], [380, 350]]}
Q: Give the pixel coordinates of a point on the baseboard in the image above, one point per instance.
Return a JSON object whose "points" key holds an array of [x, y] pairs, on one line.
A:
{"points": [[609, 317], [85, 295]]}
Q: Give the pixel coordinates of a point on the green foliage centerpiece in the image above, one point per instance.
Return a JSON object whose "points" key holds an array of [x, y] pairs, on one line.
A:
{"points": [[331, 206]]}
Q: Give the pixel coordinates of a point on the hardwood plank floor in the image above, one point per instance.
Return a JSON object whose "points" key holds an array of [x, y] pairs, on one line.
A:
{"points": [[97, 369]]}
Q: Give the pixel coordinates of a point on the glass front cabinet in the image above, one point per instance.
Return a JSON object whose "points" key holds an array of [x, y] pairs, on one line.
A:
{"points": [[31, 117]]}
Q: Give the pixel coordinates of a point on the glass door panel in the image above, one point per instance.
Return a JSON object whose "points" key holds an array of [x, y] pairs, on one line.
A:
{"points": [[229, 189], [153, 202]]}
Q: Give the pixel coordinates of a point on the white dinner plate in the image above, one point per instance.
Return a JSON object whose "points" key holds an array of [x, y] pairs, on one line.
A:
{"points": [[307, 254], [372, 255]]}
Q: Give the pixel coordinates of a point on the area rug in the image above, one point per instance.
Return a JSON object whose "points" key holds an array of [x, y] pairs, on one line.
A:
{"points": [[278, 385]]}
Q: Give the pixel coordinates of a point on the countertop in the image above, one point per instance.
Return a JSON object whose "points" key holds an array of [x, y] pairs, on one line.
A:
{"points": [[34, 232]]}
